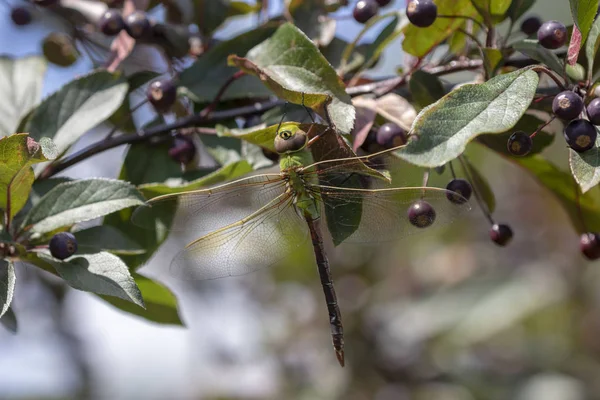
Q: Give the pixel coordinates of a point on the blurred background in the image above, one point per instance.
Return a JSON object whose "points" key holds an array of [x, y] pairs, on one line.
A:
{"points": [[445, 315]]}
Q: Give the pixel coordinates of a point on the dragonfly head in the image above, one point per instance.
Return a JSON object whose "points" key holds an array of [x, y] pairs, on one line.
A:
{"points": [[290, 140]]}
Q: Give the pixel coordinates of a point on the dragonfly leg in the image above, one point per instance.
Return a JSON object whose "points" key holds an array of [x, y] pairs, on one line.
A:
{"points": [[307, 109], [335, 316]]}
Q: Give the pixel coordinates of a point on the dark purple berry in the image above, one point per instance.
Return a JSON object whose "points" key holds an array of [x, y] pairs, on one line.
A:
{"points": [[519, 144], [162, 94], [391, 135], [383, 3], [459, 191], [567, 105], [552, 34], [589, 244], [530, 25], [63, 245], [501, 234], [183, 150], [593, 111], [421, 214], [580, 135], [421, 13], [137, 25], [364, 10], [20, 16], [111, 23]]}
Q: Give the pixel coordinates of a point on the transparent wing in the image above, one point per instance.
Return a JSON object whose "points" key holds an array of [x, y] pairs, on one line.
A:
{"points": [[380, 215], [263, 239], [210, 209]]}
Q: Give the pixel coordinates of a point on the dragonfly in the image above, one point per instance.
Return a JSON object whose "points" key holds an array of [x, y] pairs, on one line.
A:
{"points": [[259, 220]]}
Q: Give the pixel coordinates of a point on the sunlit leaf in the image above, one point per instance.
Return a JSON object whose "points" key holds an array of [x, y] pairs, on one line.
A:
{"points": [[7, 285], [585, 166]]}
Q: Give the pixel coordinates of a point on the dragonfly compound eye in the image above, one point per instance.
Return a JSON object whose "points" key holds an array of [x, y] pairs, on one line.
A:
{"points": [[289, 142]]}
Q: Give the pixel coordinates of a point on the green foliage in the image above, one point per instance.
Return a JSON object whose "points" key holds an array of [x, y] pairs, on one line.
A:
{"points": [[584, 13], [445, 127], [7, 285], [585, 167]]}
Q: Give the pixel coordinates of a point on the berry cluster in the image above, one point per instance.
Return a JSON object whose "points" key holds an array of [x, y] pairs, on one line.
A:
{"points": [[137, 25], [420, 13]]}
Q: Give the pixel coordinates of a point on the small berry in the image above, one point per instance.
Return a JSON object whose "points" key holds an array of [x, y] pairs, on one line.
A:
{"points": [[162, 94], [137, 25], [421, 13], [390, 135], [580, 135], [552, 34], [111, 23], [183, 150], [364, 10], [459, 191], [589, 244], [421, 214], [530, 25], [59, 48], [519, 144], [593, 111], [567, 105], [441, 169], [20, 16], [63, 245], [501, 234], [383, 3]]}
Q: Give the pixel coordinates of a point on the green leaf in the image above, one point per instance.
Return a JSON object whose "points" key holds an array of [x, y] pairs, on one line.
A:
{"points": [[425, 88], [575, 72], [77, 107], [445, 127], [224, 174], [533, 49], [584, 12], [309, 16], [492, 10], [78, 201], [205, 77], [106, 238], [528, 124], [161, 304], [591, 46], [20, 89], [17, 154], [7, 285], [210, 14], [100, 273], [420, 41], [565, 188], [147, 163], [518, 8], [9, 321], [585, 166], [291, 65], [492, 59]]}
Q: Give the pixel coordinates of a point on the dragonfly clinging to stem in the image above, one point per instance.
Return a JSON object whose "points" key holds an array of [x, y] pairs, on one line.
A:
{"points": [[257, 221]]}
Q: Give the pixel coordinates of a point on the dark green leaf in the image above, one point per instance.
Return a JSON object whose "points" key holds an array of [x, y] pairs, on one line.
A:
{"points": [[100, 273], [585, 166], [9, 321], [78, 201], [565, 188], [445, 127], [106, 238], [534, 50], [518, 8], [161, 304], [7, 285], [148, 163], [210, 14], [420, 41], [584, 12], [205, 77], [77, 107], [292, 67], [528, 124], [492, 59], [425, 88], [309, 16], [17, 154], [20, 89], [591, 46], [492, 10]]}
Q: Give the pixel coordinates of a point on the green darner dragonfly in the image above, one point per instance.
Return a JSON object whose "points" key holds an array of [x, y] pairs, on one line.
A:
{"points": [[257, 221]]}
